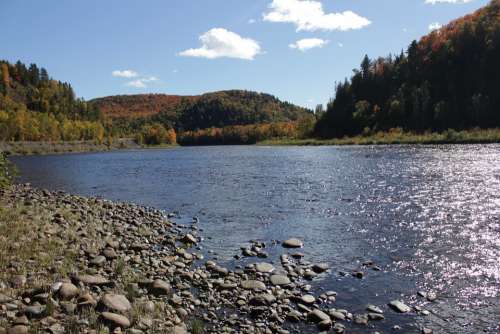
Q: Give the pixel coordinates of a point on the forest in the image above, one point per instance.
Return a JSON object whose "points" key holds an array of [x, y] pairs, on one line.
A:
{"points": [[34, 107], [447, 80]]}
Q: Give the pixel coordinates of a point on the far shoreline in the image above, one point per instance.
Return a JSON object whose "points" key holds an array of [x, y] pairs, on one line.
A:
{"points": [[390, 138]]}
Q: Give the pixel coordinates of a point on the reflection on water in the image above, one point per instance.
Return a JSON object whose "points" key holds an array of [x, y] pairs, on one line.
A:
{"points": [[428, 216]]}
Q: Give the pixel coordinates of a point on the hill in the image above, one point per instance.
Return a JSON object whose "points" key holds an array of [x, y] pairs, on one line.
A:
{"points": [[218, 109], [35, 107], [448, 79]]}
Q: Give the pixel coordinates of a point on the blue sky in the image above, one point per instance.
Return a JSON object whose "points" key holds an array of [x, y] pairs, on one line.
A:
{"points": [[294, 49]]}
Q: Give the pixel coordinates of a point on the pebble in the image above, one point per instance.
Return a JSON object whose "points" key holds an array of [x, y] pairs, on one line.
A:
{"points": [[293, 243]]}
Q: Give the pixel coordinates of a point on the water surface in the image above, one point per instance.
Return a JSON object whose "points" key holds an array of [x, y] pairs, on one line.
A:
{"points": [[429, 216]]}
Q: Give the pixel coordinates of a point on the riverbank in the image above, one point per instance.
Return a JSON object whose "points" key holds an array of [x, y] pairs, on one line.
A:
{"points": [[475, 136], [71, 264], [64, 147]]}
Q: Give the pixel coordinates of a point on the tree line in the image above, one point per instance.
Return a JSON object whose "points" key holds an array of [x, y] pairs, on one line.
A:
{"points": [[449, 79]]}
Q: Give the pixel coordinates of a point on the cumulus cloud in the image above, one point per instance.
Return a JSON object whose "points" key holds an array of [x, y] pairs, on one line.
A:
{"points": [[308, 43], [142, 82], [309, 15], [435, 26], [219, 42], [433, 2], [124, 74]]}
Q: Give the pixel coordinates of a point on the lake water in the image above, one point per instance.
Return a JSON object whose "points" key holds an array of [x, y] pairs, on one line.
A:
{"points": [[429, 216]]}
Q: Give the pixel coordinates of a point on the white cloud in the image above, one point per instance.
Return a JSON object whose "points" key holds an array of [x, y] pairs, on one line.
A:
{"points": [[435, 26], [309, 15], [433, 2], [219, 42], [308, 43], [124, 74], [341, 45], [252, 21], [141, 83]]}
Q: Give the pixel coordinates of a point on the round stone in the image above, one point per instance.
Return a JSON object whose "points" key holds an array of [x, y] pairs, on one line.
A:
{"points": [[253, 285], [115, 320], [279, 280], [68, 291], [308, 299], [117, 303], [292, 243], [264, 267]]}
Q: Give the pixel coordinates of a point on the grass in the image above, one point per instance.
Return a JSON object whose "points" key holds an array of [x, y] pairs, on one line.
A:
{"points": [[397, 137], [28, 245]]}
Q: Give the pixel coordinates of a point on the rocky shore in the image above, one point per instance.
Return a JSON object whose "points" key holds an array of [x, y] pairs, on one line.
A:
{"points": [[71, 264]]}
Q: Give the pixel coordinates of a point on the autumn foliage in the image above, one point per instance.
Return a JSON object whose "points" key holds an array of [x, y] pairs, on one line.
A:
{"points": [[449, 79]]}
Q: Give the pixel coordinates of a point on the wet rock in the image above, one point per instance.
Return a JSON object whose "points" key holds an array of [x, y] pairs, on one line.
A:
{"points": [[376, 316], [320, 267], [336, 315], [115, 320], [361, 319], [308, 299], [374, 309], [399, 306], [318, 316], [264, 267], [426, 330], [292, 243], [189, 239]]}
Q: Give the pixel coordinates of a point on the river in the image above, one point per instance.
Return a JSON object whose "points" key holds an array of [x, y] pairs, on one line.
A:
{"points": [[427, 216]]}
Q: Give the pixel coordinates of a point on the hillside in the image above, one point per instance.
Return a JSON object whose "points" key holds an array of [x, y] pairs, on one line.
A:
{"points": [[218, 109], [34, 107], [448, 79]]}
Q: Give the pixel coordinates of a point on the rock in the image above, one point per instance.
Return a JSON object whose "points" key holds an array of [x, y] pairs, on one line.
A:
{"points": [[374, 309], [98, 261], [262, 300], [292, 243], [375, 316], [426, 330], [85, 300], [253, 285], [68, 291], [358, 274], [57, 329], [361, 319], [18, 329], [92, 280], [110, 253], [308, 299], [160, 288], [294, 316], [320, 267], [318, 316], [5, 299], [115, 303], [115, 320], [336, 315], [399, 306], [325, 325], [35, 311], [264, 267], [189, 239], [279, 280]]}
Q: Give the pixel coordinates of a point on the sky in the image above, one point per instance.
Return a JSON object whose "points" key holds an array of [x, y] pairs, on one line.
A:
{"points": [[293, 49]]}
